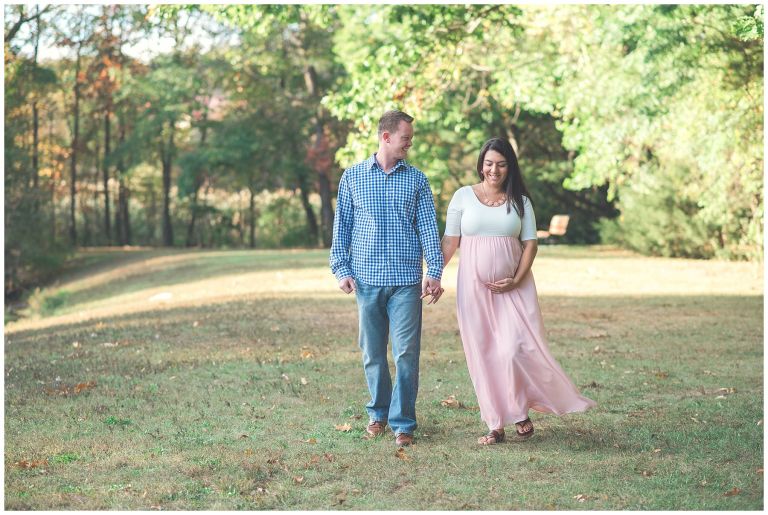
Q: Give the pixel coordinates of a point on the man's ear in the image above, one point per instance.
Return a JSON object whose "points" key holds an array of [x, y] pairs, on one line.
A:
{"points": [[385, 136]]}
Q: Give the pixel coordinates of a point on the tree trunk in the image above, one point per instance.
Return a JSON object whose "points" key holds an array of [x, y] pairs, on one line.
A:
{"points": [[73, 154], [122, 214], [324, 183], [252, 212], [105, 168], [192, 218], [35, 148], [326, 210], [197, 183], [309, 212], [167, 158]]}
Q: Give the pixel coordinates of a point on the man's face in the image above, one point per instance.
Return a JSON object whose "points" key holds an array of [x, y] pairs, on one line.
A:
{"points": [[399, 142]]}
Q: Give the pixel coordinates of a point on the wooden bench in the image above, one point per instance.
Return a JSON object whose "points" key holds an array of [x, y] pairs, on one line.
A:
{"points": [[557, 227]]}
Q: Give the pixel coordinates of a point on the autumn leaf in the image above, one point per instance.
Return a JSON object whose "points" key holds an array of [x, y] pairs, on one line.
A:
{"points": [[400, 454], [80, 387], [580, 497], [343, 427], [306, 354], [356, 417], [730, 493], [328, 457], [450, 402], [298, 479], [304, 381], [31, 464], [311, 440]]}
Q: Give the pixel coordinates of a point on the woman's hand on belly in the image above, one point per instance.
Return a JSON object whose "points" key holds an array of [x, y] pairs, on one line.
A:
{"points": [[503, 285]]}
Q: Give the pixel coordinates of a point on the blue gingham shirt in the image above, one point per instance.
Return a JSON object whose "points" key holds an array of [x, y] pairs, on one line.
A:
{"points": [[383, 222]]}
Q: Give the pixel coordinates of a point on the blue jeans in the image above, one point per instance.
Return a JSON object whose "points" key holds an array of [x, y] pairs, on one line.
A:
{"points": [[391, 312]]}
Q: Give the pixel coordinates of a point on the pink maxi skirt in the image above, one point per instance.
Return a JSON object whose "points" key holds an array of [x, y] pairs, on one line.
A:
{"points": [[503, 336]]}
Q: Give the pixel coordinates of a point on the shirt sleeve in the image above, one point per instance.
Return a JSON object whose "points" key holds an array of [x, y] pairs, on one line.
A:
{"points": [[342, 231], [426, 225], [453, 217], [528, 230]]}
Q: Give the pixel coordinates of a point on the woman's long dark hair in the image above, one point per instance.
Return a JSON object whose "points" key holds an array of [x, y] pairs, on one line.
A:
{"points": [[513, 185]]}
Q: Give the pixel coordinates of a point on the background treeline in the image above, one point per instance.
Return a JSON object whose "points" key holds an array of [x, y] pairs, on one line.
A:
{"points": [[643, 122]]}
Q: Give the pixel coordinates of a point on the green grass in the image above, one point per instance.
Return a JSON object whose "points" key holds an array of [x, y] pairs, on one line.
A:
{"points": [[199, 401]]}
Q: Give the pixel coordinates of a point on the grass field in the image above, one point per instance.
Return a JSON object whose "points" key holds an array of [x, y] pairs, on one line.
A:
{"points": [[232, 380]]}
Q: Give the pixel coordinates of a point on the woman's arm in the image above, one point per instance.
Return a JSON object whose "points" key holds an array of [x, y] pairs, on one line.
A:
{"points": [[530, 248], [449, 246]]}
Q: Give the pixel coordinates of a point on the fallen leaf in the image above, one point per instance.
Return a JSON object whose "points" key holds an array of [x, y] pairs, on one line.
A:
{"points": [[596, 333], [726, 390], [248, 452], [195, 323], [243, 436], [760, 422], [450, 402], [305, 354], [597, 348], [343, 427], [356, 417], [735, 491], [304, 381], [284, 376], [311, 440], [275, 328], [662, 375], [400, 454], [109, 344], [647, 473], [273, 461], [580, 497], [329, 457], [31, 464], [759, 471], [298, 479], [531, 458], [656, 451], [76, 345], [80, 387], [340, 498]]}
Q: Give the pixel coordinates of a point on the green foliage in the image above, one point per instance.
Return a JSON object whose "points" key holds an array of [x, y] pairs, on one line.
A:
{"points": [[658, 109]]}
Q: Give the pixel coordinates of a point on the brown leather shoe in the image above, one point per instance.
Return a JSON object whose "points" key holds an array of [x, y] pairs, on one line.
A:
{"points": [[403, 440], [375, 428]]}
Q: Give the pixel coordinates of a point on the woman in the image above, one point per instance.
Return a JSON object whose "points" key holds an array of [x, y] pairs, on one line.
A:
{"points": [[500, 321]]}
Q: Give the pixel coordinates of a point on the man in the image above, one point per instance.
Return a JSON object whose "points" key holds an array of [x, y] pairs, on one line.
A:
{"points": [[385, 221]]}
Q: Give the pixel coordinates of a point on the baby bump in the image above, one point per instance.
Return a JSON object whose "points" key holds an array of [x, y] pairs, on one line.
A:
{"points": [[489, 258]]}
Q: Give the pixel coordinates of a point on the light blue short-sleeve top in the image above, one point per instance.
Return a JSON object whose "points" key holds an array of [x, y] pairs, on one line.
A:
{"points": [[467, 216]]}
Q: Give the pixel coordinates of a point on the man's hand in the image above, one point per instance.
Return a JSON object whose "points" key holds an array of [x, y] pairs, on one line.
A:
{"points": [[430, 286], [347, 285]]}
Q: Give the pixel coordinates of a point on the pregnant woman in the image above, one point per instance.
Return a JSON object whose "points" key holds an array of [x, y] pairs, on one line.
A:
{"points": [[499, 317]]}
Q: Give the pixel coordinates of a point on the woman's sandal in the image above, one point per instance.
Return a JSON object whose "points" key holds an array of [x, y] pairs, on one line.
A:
{"points": [[493, 437], [524, 435]]}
